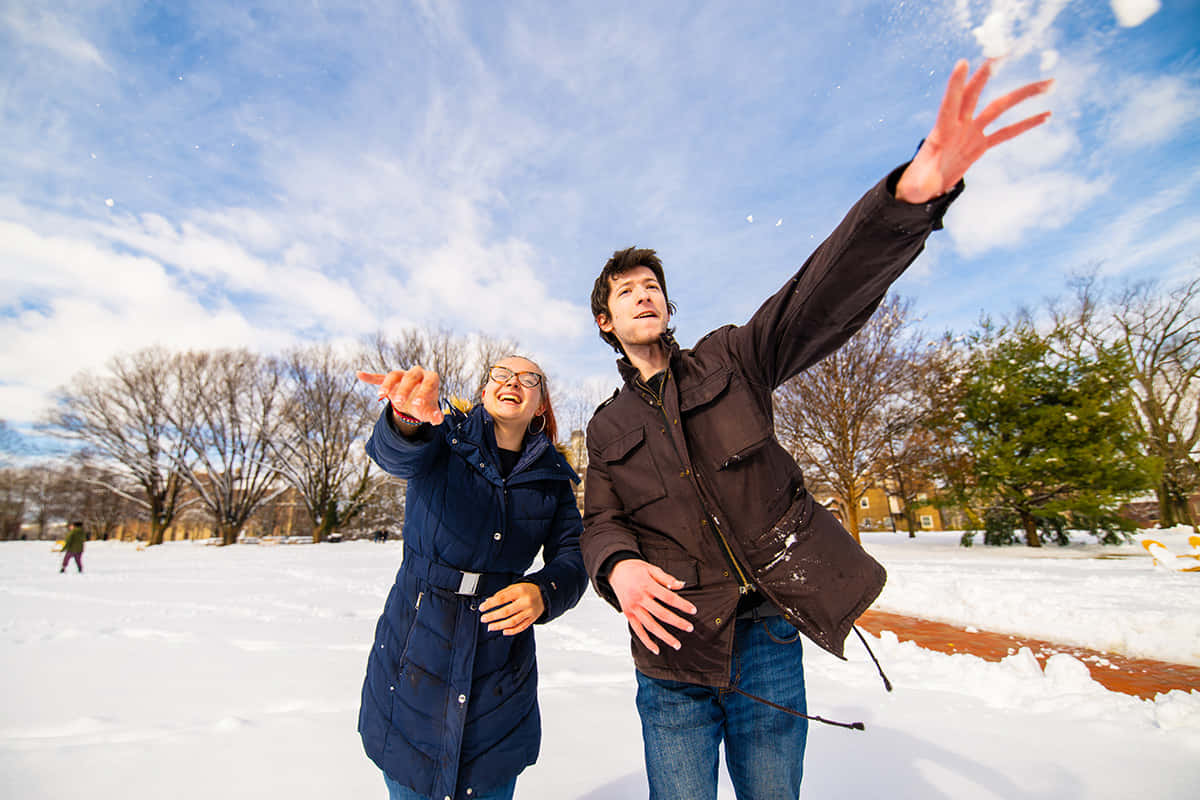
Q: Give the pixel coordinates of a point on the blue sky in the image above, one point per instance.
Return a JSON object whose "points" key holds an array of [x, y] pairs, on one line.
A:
{"points": [[264, 174]]}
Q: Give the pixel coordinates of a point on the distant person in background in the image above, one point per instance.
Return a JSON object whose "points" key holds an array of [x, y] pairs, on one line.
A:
{"points": [[449, 703], [73, 546]]}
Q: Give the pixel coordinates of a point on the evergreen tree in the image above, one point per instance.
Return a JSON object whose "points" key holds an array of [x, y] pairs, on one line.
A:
{"points": [[1050, 434]]}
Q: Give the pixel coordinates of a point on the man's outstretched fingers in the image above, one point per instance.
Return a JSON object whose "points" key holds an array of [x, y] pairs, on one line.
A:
{"points": [[640, 632], [652, 626]]}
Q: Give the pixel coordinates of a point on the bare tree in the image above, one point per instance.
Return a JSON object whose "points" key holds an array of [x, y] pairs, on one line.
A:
{"points": [[917, 448], [1159, 330], [319, 449], [386, 507], [460, 361], [125, 418], [943, 371], [83, 493], [229, 414], [14, 502], [832, 415]]}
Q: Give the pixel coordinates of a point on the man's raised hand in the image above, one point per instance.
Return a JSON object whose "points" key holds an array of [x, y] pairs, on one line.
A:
{"points": [[410, 391], [642, 589], [958, 139]]}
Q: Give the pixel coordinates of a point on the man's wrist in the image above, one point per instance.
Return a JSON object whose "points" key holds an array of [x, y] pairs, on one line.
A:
{"points": [[609, 563]]}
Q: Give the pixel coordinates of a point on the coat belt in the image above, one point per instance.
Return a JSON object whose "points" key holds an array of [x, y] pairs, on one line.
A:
{"points": [[456, 580]]}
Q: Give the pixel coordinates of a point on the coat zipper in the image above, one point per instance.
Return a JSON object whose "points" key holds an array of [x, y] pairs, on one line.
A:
{"points": [[743, 581]]}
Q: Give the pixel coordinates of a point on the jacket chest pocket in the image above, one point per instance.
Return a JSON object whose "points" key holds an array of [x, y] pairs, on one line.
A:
{"points": [[631, 467], [723, 418]]}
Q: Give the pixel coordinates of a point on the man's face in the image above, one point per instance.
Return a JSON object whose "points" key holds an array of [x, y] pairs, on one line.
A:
{"points": [[637, 308]]}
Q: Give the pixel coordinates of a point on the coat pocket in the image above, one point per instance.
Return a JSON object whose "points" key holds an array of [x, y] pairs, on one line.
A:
{"points": [[723, 415], [402, 661], [675, 562], [631, 468]]}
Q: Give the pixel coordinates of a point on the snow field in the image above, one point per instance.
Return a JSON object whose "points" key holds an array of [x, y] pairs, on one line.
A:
{"points": [[189, 671]]}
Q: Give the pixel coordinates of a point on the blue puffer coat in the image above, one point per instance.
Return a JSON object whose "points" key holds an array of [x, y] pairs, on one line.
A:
{"points": [[449, 708]]}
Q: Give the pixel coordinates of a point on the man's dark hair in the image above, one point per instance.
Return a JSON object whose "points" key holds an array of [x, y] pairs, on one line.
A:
{"points": [[621, 262], [76, 524]]}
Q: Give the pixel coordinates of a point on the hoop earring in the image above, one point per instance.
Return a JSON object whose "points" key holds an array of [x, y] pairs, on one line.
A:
{"points": [[542, 417]]}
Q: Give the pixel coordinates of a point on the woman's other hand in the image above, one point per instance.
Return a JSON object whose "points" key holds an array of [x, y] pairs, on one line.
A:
{"points": [[513, 609]]}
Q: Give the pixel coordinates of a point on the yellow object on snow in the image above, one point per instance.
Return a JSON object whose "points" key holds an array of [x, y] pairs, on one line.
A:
{"points": [[1163, 557]]}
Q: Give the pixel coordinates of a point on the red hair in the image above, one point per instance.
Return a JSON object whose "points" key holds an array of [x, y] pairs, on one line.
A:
{"points": [[548, 411]]}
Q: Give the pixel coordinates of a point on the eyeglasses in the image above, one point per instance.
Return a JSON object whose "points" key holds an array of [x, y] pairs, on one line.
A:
{"points": [[503, 375]]}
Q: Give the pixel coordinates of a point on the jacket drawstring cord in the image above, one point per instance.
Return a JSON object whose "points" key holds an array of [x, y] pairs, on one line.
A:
{"points": [[886, 683], [857, 726]]}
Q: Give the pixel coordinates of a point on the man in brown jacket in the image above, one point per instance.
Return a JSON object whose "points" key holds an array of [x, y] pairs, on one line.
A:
{"points": [[697, 525]]}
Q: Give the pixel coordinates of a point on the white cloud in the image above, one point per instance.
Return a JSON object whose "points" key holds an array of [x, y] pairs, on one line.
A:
{"points": [[1154, 232], [1154, 111], [48, 31], [1002, 209], [495, 287], [1131, 13], [1015, 28], [82, 302]]}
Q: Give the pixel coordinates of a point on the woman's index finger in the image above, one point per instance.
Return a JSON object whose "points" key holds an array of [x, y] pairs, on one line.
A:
{"points": [[370, 377]]}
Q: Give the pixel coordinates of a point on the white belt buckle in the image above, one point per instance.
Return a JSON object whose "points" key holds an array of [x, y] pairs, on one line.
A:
{"points": [[469, 583]]}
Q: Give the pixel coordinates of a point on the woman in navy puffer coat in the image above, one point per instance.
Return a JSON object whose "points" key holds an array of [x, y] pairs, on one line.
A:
{"points": [[449, 704]]}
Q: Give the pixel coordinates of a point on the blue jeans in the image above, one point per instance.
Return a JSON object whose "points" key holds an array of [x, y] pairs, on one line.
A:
{"points": [[398, 792], [684, 723]]}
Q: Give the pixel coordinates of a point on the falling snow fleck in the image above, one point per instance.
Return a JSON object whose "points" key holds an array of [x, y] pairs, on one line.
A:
{"points": [[749, 218], [109, 202], [778, 222]]}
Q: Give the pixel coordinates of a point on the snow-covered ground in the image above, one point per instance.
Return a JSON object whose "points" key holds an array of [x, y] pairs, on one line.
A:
{"points": [[187, 671]]}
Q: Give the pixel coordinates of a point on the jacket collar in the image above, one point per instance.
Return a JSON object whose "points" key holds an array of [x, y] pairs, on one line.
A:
{"points": [[633, 377], [474, 437]]}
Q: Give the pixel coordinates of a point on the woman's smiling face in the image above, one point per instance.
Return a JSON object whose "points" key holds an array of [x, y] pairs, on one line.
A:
{"points": [[510, 401]]}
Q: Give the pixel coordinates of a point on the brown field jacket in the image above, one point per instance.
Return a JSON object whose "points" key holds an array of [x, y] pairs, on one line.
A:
{"points": [[695, 481]]}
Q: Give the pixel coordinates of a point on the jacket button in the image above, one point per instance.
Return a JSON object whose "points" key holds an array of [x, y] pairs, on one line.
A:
{"points": [[391, 688], [481, 465], [725, 573], [454, 441], [496, 536], [462, 698], [718, 620]]}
